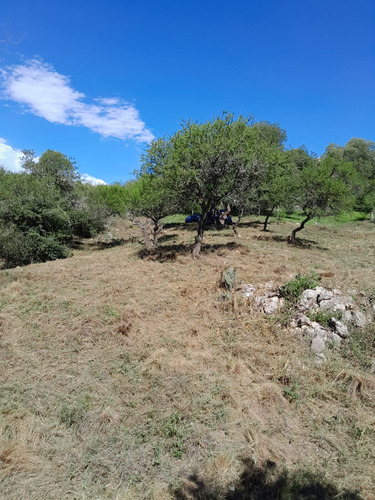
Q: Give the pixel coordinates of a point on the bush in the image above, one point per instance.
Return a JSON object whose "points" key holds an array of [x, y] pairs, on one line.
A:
{"points": [[293, 289], [35, 224], [19, 248]]}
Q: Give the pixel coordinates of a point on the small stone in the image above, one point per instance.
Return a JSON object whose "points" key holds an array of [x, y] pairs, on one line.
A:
{"points": [[359, 319], [318, 345], [299, 320], [320, 358], [299, 331], [310, 294], [347, 316], [272, 304], [334, 304], [339, 327], [324, 294], [248, 290], [333, 337], [309, 332], [304, 305]]}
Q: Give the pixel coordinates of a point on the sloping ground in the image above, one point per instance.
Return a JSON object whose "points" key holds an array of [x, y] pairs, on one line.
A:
{"points": [[124, 377]]}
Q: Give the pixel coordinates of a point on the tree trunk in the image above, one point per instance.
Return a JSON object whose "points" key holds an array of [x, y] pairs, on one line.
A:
{"points": [[198, 239], [268, 216], [145, 228], [156, 232], [235, 225], [372, 215], [292, 237]]}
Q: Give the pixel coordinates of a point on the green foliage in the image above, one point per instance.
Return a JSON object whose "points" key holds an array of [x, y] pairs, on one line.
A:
{"points": [[290, 393], [360, 154], [114, 198], [34, 222], [229, 279], [73, 414], [214, 160], [323, 317], [41, 211], [88, 214], [155, 193], [56, 168], [321, 188], [293, 289]]}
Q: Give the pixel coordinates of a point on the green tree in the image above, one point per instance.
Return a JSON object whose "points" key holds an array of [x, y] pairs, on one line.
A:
{"points": [[210, 161], [321, 189], [266, 162], [361, 154], [54, 167], [276, 188]]}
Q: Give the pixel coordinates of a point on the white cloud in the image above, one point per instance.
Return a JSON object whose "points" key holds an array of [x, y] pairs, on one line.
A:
{"points": [[48, 94], [89, 179], [10, 158]]}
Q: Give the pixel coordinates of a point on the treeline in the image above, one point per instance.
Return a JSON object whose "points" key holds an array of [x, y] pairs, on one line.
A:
{"points": [[244, 164], [236, 163]]}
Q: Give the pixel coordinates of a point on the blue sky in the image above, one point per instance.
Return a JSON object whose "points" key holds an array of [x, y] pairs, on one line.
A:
{"points": [[97, 80]]}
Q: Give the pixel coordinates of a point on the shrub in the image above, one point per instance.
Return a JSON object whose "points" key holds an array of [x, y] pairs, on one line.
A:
{"points": [[293, 289], [19, 248]]}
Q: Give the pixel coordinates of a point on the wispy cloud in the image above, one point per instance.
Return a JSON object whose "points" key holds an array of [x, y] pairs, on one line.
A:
{"points": [[48, 94], [89, 179], [10, 158]]}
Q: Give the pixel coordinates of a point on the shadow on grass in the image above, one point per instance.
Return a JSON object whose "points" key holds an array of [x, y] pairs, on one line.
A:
{"points": [[167, 237], [300, 243], [266, 483], [101, 244], [305, 244], [170, 252]]}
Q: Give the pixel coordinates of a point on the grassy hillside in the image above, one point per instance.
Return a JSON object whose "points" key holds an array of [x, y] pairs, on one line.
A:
{"points": [[124, 377]]}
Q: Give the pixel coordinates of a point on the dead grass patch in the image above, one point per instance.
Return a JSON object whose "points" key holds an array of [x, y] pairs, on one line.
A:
{"points": [[122, 376]]}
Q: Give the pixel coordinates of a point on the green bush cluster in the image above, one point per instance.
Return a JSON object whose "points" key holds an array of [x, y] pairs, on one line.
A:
{"points": [[293, 289], [43, 210]]}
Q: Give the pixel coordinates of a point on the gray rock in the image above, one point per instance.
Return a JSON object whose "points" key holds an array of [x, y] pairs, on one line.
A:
{"points": [[299, 320], [318, 345], [359, 319], [334, 338], [272, 304], [320, 358], [310, 294], [323, 294], [334, 304], [347, 316], [339, 327], [248, 290], [299, 331], [309, 332]]}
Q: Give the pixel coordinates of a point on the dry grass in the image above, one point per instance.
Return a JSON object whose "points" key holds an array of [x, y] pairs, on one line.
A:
{"points": [[123, 375]]}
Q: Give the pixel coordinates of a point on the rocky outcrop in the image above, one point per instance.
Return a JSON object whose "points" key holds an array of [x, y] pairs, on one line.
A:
{"points": [[340, 313]]}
